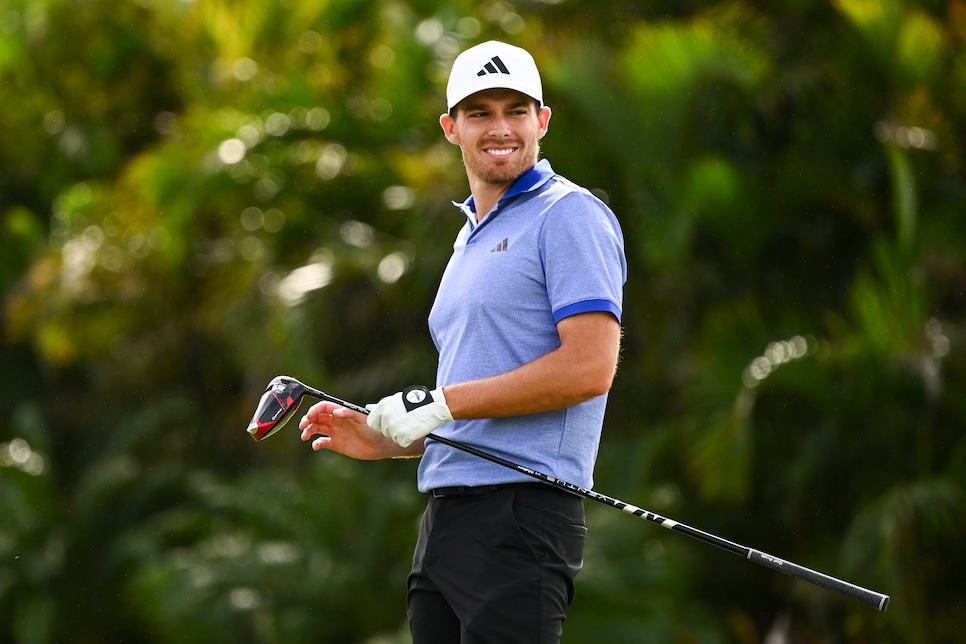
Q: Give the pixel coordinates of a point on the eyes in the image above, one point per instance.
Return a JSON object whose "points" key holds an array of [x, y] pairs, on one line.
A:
{"points": [[481, 113]]}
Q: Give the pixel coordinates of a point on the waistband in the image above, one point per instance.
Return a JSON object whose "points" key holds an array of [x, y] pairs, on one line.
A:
{"points": [[466, 490]]}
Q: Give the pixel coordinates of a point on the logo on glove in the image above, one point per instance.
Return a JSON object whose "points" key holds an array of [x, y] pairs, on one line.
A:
{"points": [[416, 396]]}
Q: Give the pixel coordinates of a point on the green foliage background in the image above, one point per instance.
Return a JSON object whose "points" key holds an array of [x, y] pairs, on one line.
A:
{"points": [[197, 195]]}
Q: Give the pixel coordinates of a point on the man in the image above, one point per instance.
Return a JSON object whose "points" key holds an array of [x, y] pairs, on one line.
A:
{"points": [[527, 325]]}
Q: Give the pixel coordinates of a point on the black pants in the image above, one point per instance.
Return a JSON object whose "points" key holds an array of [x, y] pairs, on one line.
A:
{"points": [[496, 566]]}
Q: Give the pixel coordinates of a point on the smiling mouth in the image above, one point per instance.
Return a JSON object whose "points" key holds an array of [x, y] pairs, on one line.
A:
{"points": [[500, 152]]}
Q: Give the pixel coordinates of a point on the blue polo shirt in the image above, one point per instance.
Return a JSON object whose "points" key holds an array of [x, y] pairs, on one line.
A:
{"points": [[548, 250]]}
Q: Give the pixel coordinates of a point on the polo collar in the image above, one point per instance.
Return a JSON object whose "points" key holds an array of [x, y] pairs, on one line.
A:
{"points": [[529, 181]]}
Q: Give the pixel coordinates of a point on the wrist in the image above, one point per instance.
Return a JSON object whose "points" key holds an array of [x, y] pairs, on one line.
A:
{"points": [[415, 449], [450, 396]]}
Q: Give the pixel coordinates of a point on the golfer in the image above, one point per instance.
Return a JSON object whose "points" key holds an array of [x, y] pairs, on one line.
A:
{"points": [[527, 324]]}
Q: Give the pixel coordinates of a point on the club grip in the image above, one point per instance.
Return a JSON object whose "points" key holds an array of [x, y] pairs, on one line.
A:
{"points": [[870, 597]]}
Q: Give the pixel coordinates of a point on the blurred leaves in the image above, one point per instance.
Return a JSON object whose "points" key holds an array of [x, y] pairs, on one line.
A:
{"points": [[198, 196]]}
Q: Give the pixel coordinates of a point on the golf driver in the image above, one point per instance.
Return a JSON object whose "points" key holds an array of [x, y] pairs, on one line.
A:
{"points": [[280, 402], [284, 393]]}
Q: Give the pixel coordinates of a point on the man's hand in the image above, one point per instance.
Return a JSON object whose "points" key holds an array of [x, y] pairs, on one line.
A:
{"points": [[410, 414], [338, 429]]}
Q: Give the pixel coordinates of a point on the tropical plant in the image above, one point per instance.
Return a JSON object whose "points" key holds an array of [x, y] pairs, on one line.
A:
{"points": [[197, 196]]}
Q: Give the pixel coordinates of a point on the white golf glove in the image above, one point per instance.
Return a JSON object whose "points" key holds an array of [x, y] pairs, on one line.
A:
{"points": [[410, 414]]}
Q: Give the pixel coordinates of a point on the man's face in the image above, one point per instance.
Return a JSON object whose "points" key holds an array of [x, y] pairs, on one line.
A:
{"points": [[498, 132]]}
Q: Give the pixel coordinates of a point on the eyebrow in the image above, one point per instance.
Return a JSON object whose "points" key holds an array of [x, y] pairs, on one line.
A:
{"points": [[486, 106]]}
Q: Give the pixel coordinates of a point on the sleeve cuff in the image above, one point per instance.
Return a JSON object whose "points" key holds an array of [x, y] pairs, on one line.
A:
{"points": [[587, 306]]}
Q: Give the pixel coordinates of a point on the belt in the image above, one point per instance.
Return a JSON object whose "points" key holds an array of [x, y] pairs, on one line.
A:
{"points": [[463, 490], [467, 490]]}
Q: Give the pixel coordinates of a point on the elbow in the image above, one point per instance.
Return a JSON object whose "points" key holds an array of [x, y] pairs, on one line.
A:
{"points": [[597, 383], [595, 377]]}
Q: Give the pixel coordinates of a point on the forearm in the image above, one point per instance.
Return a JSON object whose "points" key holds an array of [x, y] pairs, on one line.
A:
{"points": [[530, 389], [581, 368], [381, 447], [415, 450]]}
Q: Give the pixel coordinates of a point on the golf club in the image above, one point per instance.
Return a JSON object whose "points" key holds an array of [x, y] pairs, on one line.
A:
{"points": [[284, 393], [280, 402]]}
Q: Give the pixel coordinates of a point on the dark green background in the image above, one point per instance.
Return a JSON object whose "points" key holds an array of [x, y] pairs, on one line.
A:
{"points": [[199, 195]]}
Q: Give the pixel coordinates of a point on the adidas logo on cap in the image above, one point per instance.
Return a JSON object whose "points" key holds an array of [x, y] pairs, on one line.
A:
{"points": [[493, 65]]}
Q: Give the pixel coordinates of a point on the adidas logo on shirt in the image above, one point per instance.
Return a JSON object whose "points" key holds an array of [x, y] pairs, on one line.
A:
{"points": [[502, 246], [495, 66]]}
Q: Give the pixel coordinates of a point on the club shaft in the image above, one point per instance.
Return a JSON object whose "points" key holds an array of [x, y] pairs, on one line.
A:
{"points": [[872, 598], [318, 393]]}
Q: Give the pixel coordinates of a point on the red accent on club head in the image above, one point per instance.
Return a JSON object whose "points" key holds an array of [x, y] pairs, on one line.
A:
{"points": [[272, 413]]}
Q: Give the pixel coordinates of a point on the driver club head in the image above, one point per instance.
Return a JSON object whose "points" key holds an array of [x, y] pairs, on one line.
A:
{"points": [[277, 405]]}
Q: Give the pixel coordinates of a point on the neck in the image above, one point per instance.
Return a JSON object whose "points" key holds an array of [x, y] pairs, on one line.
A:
{"points": [[486, 196]]}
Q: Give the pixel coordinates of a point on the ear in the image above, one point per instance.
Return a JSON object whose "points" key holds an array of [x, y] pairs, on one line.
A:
{"points": [[448, 123], [543, 121]]}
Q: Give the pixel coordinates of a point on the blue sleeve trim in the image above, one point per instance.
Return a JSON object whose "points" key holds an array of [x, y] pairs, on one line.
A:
{"points": [[587, 306]]}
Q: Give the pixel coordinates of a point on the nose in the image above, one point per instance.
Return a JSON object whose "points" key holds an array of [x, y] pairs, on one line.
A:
{"points": [[499, 125]]}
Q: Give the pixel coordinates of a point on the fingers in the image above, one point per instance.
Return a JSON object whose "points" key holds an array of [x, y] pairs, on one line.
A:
{"points": [[317, 413], [316, 420], [325, 419], [321, 410]]}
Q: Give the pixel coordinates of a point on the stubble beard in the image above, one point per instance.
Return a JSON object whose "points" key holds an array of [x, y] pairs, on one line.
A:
{"points": [[502, 173]]}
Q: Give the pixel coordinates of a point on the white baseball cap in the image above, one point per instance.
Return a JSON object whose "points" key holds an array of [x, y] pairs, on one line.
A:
{"points": [[493, 65]]}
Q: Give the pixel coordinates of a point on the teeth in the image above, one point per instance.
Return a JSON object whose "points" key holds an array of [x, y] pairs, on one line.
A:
{"points": [[502, 152]]}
